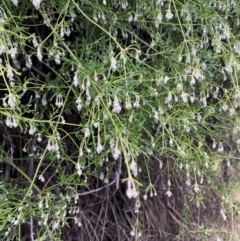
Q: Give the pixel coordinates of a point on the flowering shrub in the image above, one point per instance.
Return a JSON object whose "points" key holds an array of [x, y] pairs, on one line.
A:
{"points": [[139, 98]]}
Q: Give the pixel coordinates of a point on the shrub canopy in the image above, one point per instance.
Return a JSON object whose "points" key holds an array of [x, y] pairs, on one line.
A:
{"points": [[119, 101]]}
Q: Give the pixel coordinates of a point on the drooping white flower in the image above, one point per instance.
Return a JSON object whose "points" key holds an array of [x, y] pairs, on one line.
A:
{"points": [[32, 130], [160, 164], [36, 3], [116, 105], [133, 168], [156, 115], [192, 81], [232, 111], [80, 152], [137, 102], [86, 132], [2, 48], [129, 193], [134, 192], [131, 189], [99, 147], [57, 58], [196, 188], [116, 153], [192, 99], [220, 147], [13, 52], [59, 100], [88, 98], [198, 74], [222, 212], [169, 98], [138, 53], [113, 64], [96, 124], [39, 54], [11, 100], [128, 104], [180, 57], [130, 18], [180, 87], [184, 97], [95, 76], [79, 169], [35, 42], [44, 100], [224, 107], [171, 142], [39, 138], [11, 122], [55, 224], [79, 103], [130, 119], [41, 178], [29, 63], [188, 182], [4, 102], [158, 19], [165, 79], [228, 68], [169, 14], [168, 193], [15, 2]]}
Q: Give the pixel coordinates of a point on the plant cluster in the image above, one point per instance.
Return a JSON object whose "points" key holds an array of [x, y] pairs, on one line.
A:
{"points": [[126, 102]]}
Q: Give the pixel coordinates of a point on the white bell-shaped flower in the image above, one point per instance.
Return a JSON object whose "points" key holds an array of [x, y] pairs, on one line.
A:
{"points": [[59, 100]]}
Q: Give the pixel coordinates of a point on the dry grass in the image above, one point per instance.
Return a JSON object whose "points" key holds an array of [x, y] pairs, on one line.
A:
{"points": [[109, 215]]}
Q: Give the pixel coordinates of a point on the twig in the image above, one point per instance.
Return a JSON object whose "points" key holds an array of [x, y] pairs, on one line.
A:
{"points": [[10, 156], [96, 190], [118, 171], [116, 221], [86, 219], [38, 71], [31, 229], [116, 180]]}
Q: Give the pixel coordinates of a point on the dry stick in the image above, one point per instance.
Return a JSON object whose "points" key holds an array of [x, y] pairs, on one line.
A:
{"points": [[116, 180], [9, 159], [119, 170], [38, 71], [7, 173], [33, 145], [31, 171], [116, 221], [31, 229], [23, 174], [10, 153], [105, 216], [96, 190], [10, 156], [100, 213], [90, 226], [175, 211]]}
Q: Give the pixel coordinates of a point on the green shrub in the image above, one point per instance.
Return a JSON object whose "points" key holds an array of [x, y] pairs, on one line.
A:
{"points": [[130, 98]]}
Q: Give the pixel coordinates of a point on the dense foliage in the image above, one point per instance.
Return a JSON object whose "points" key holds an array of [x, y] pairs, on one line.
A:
{"points": [[117, 115]]}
